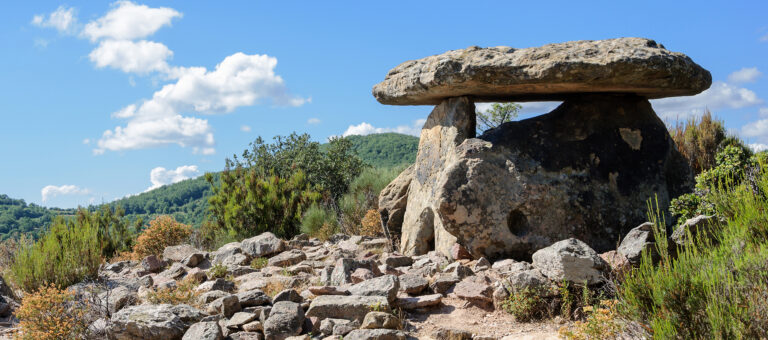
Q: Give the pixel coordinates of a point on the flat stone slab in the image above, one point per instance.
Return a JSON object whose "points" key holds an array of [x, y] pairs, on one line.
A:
{"points": [[550, 72]]}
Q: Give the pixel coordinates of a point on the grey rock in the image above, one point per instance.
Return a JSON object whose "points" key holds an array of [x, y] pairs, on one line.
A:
{"points": [[208, 297], [423, 301], [287, 258], [231, 254], [351, 307], [396, 260], [570, 260], [152, 264], [443, 283], [413, 284], [392, 202], [702, 225], [264, 245], [344, 267], [252, 298], [246, 336], [153, 322], [574, 172], [385, 286], [375, 334], [550, 72], [637, 240], [216, 284], [204, 331], [327, 325], [344, 328], [119, 297], [530, 278], [179, 252], [452, 334], [374, 320], [288, 295], [227, 305], [239, 319], [285, 319]]}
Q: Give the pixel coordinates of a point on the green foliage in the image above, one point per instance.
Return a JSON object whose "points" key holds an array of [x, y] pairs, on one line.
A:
{"points": [[247, 204], [363, 196], [526, 304], [114, 234], [69, 252], [318, 220], [218, 271], [698, 140], [19, 218], [497, 114], [716, 287], [331, 170], [259, 262], [385, 150]]}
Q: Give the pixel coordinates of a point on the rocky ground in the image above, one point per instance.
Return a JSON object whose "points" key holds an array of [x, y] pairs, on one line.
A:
{"points": [[350, 287]]}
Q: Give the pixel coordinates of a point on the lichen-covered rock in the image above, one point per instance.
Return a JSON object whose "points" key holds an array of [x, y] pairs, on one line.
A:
{"points": [[263, 245], [204, 331], [423, 301], [286, 319], [701, 225], [385, 286], [153, 322], [637, 240], [392, 201], [577, 171], [350, 307], [550, 72], [374, 320], [570, 260], [287, 258]]}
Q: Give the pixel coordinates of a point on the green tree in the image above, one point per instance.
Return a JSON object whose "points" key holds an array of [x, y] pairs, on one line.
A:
{"points": [[497, 114]]}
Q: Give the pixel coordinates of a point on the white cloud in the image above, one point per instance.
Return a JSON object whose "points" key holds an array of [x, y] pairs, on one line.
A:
{"points": [[364, 129], [140, 57], [763, 111], [757, 147], [757, 128], [245, 128], [313, 121], [51, 191], [87, 141], [239, 80], [745, 75], [161, 176], [129, 21], [720, 96], [63, 19], [147, 132]]}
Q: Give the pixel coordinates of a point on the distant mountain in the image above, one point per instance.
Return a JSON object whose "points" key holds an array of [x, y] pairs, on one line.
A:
{"points": [[187, 201]]}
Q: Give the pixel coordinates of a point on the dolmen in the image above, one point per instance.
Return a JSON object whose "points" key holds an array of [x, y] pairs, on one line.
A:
{"points": [[584, 170]]}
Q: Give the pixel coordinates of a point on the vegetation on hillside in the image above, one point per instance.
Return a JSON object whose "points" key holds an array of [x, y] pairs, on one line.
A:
{"points": [[19, 218], [385, 150]]}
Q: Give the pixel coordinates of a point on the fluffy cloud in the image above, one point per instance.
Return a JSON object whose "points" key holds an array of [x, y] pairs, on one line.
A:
{"points": [[245, 128], [757, 128], [161, 176], [140, 57], [757, 147], [745, 75], [364, 129], [147, 132], [313, 121], [51, 191], [129, 21], [720, 96], [63, 19]]}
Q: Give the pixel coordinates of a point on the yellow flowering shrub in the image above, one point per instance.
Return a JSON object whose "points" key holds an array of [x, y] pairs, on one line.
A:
{"points": [[51, 313], [163, 232]]}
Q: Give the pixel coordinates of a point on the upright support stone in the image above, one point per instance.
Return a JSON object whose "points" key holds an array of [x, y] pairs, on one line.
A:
{"points": [[449, 124]]}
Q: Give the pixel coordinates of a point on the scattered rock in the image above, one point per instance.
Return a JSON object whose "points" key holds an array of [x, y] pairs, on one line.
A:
{"points": [[153, 322], [637, 240], [253, 298], [285, 319], [413, 284], [288, 295], [375, 334], [204, 331], [328, 290], [385, 286], [227, 305], [264, 245], [351, 307], [239, 319], [287, 258], [570, 260], [701, 225], [452, 334], [152, 264], [375, 320], [423, 301]]}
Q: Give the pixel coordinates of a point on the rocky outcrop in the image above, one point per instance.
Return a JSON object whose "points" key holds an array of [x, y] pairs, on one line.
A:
{"points": [[584, 170], [550, 72], [570, 260]]}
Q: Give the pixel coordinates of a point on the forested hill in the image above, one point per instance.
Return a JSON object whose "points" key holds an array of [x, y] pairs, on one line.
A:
{"points": [[386, 150], [187, 201]]}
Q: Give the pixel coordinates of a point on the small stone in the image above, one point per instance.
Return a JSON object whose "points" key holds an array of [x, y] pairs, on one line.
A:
{"points": [[254, 326], [452, 334], [288, 295], [413, 284], [228, 306], [361, 274], [152, 264], [239, 319], [285, 319], [423, 301], [374, 320], [328, 290], [375, 334], [204, 331], [458, 252], [287, 258]]}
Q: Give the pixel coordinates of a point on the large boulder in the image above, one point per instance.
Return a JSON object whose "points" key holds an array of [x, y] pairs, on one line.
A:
{"points": [[285, 320], [262, 245], [585, 170], [153, 322], [386, 286], [554, 71], [351, 307], [392, 202], [638, 239], [570, 260]]}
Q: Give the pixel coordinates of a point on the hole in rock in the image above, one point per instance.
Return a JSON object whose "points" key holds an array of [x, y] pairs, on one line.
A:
{"points": [[517, 223]]}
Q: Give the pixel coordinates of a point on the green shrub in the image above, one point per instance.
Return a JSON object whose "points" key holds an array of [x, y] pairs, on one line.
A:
{"points": [[362, 197], [259, 262], [715, 288], [218, 271], [317, 221], [69, 252], [526, 304]]}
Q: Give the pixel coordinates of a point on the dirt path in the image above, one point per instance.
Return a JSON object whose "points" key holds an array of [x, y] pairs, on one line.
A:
{"points": [[455, 314]]}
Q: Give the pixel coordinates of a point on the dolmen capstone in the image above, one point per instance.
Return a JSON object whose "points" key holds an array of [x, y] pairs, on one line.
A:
{"points": [[584, 170]]}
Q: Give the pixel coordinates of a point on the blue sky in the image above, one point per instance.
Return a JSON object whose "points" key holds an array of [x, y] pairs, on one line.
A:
{"points": [[100, 100]]}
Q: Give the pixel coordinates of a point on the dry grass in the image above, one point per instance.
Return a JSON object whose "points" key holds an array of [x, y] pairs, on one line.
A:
{"points": [[371, 223], [602, 322], [273, 287], [697, 140], [184, 293]]}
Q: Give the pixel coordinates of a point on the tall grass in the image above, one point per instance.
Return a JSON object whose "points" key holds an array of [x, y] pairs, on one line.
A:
{"points": [[67, 253], [716, 288]]}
